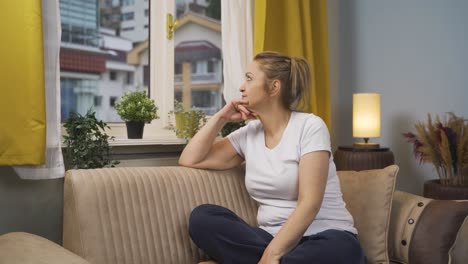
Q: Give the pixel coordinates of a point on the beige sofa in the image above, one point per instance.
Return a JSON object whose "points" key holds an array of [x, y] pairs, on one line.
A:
{"points": [[139, 215]]}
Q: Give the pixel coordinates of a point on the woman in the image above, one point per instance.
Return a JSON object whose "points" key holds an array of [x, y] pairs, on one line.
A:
{"points": [[289, 171]]}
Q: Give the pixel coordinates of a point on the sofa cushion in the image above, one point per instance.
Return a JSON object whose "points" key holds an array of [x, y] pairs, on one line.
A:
{"points": [[368, 196], [24, 248]]}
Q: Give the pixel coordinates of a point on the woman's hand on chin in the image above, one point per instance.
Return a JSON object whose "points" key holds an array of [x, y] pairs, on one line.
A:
{"points": [[236, 111]]}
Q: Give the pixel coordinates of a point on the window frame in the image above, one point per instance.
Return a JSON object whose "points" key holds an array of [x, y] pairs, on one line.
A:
{"points": [[160, 56]]}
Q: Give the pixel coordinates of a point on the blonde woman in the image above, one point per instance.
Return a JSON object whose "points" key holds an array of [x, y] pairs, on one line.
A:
{"points": [[290, 172]]}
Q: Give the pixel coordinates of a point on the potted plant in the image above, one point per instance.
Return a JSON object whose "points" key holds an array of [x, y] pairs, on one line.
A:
{"points": [[187, 122], [230, 127], [86, 143], [136, 109], [445, 145]]}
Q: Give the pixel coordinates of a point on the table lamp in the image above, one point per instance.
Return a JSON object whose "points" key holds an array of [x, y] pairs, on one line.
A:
{"points": [[366, 118]]}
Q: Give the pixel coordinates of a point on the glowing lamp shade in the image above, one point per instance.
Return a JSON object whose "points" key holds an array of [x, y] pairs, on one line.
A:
{"points": [[366, 115]]}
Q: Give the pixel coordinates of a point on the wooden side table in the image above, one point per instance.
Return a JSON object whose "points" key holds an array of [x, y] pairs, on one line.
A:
{"points": [[351, 158]]}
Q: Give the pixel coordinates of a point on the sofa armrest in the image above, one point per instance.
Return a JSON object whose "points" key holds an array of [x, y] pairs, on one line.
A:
{"points": [[423, 230], [24, 248], [406, 212]]}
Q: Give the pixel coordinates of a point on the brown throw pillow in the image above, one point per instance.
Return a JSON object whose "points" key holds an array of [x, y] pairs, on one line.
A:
{"points": [[436, 231], [368, 196]]}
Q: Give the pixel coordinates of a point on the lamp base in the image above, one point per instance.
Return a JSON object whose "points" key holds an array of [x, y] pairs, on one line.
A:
{"points": [[366, 145]]}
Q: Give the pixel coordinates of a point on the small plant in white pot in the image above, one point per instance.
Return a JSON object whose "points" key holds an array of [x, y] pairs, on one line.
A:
{"points": [[136, 109]]}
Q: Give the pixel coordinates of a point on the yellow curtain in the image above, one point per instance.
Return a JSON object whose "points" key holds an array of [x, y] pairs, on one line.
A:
{"points": [[22, 99], [298, 28]]}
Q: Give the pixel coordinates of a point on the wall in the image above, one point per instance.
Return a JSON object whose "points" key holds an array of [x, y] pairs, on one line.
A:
{"points": [[413, 53], [31, 206]]}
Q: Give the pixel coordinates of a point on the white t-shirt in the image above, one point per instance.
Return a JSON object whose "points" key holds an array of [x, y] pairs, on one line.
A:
{"points": [[272, 174]]}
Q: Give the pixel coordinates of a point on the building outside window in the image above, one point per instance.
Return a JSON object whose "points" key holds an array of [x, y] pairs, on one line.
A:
{"points": [[92, 57], [128, 16]]}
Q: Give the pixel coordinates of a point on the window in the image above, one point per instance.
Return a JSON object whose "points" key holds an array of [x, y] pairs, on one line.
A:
{"points": [[115, 17], [97, 100], [146, 75], [90, 68], [206, 100], [112, 101], [210, 66], [112, 75], [194, 67], [128, 16], [129, 79], [77, 93], [177, 68], [94, 70]]}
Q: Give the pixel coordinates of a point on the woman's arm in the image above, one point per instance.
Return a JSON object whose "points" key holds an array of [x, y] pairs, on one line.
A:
{"points": [[313, 174], [202, 152]]}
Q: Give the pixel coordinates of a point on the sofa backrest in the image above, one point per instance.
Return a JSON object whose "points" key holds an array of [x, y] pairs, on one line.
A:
{"points": [[140, 215]]}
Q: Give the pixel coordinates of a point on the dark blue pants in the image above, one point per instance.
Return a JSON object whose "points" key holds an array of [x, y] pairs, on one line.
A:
{"points": [[225, 237]]}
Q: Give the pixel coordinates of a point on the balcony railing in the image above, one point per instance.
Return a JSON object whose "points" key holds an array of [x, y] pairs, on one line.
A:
{"points": [[200, 78]]}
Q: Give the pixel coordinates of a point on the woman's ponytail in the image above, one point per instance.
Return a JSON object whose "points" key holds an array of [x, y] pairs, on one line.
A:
{"points": [[300, 81]]}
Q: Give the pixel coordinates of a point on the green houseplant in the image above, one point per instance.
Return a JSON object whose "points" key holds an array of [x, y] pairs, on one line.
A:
{"points": [[230, 127], [136, 109], [445, 145], [187, 122], [87, 145]]}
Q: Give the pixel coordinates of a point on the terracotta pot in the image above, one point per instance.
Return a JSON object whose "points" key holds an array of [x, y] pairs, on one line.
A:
{"points": [[135, 129], [434, 190]]}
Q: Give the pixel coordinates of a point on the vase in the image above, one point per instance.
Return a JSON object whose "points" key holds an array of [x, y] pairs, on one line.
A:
{"points": [[435, 190], [188, 123], [135, 129]]}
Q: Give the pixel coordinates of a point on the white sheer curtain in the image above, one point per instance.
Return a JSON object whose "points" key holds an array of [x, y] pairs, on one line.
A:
{"points": [[237, 42], [54, 167]]}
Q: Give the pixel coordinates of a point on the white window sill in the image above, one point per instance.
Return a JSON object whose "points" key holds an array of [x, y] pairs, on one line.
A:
{"points": [[155, 140], [154, 134]]}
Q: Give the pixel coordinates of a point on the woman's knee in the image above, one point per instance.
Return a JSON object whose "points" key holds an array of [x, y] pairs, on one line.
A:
{"points": [[203, 215], [322, 248]]}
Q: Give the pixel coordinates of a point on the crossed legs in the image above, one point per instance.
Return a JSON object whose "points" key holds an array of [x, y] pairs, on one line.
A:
{"points": [[228, 239]]}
